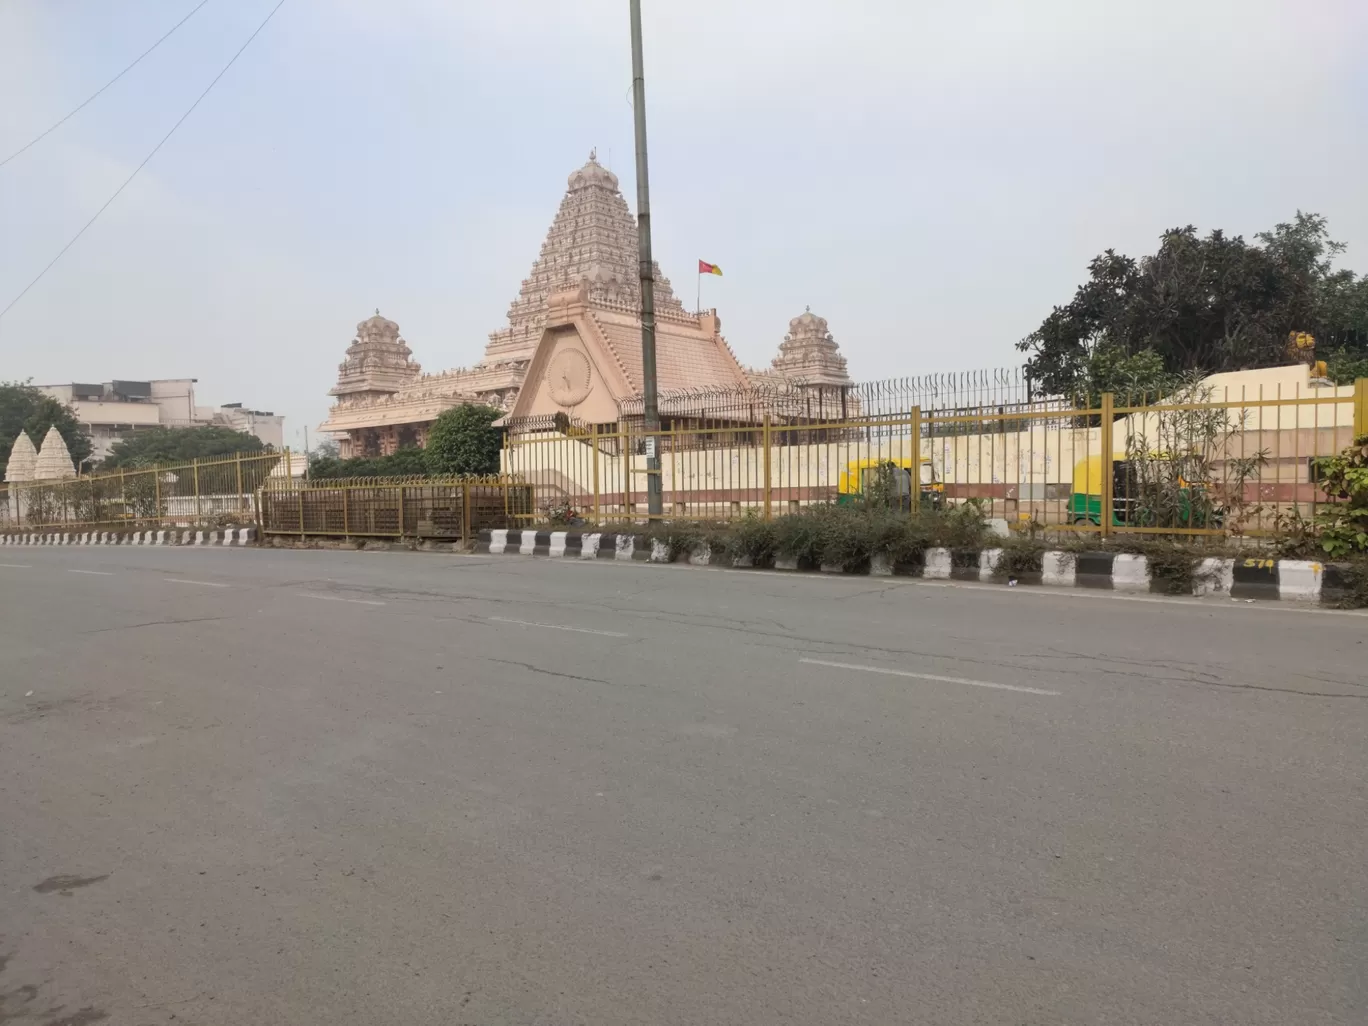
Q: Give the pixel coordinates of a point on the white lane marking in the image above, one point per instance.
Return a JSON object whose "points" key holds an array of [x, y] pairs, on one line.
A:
{"points": [[92, 573], [558, 627], [202, 584], [17, 566], [928, 676], [335, 598]]}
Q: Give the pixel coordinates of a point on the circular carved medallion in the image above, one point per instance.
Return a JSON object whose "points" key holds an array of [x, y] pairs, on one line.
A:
{"points": [[567, 377]]}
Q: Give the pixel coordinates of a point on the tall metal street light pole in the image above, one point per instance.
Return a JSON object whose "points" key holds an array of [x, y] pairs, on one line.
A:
{"points": [[647, 273]]}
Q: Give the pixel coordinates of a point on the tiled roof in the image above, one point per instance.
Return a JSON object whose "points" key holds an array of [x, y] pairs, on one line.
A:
{"points": [[684, 359]]}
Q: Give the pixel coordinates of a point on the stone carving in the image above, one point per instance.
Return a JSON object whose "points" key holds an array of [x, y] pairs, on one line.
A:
{"points": [[809, 353], [568, 378]]}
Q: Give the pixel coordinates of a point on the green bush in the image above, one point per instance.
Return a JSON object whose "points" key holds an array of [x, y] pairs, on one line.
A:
{"points": [[1172, 568], [803, 536], [463, 440], [754, 538], [680, 538], [1343, 527], [1019, 557], [1355, 574], [404, 463], [849, 536], [901, 539], [963, 526]]}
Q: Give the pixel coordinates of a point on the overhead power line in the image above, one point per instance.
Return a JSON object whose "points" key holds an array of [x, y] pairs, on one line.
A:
{"points": [[145, 160], [39, 138]]}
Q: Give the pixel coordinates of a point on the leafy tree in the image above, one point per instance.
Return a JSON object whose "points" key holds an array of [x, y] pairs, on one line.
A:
{"points": [[1199, 304], [24, 408], [463, 440], [179, 445]]}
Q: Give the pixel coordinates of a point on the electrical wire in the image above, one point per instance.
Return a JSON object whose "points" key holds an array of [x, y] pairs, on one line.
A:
{"points": [[39, 138], [145, 161]]}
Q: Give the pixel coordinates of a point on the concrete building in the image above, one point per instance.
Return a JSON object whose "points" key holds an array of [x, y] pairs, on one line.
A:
{"points": [[572, 344], [113, 410]]}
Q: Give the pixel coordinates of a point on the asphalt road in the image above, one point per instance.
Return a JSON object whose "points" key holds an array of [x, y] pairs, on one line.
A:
{"points": [[324, 787]]}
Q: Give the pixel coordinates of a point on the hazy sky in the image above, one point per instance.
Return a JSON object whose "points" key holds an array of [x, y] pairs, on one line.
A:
{"points": [[930, 176]]}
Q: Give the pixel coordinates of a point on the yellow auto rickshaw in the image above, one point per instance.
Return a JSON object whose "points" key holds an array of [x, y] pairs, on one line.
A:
{"points": [[860, 478]]}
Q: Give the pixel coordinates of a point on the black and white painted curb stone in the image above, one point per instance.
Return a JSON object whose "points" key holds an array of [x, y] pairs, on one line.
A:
{"points": [[1267, 579], [234, 536]]}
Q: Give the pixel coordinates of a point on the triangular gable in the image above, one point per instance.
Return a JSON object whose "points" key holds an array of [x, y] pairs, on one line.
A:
{"points": [[572, 370]]}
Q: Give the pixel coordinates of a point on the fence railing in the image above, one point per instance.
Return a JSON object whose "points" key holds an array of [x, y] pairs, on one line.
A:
{"points": [[433, 509], [217, 491], [1201, 462]]}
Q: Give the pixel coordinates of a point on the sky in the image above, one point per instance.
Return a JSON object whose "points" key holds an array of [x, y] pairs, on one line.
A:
{"points": [[931, 177]]}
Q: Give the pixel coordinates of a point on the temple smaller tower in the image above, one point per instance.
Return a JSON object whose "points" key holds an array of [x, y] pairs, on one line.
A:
{"points": [[378, 363], [809, 354], [54, 458]]}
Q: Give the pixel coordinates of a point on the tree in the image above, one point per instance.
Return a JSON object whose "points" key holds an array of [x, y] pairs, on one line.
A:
{"points": [[463, 440], [179, 445], [1199, 305], [23, 407]]}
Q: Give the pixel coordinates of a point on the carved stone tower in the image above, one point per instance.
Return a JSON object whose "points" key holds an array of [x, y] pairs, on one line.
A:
{"points": [[592, 243], [809, 354], [378, 363]]}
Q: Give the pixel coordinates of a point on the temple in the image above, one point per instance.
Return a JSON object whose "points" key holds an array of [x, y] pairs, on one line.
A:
{"points": [[572, 344]]}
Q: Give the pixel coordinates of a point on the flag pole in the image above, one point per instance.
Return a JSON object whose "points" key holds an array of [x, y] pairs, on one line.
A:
{"points": [[698, 296]]}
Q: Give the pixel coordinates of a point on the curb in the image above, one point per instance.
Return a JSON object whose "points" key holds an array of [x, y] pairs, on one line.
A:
{"points": [[1286, 580], [231, 536], [565, 545]]}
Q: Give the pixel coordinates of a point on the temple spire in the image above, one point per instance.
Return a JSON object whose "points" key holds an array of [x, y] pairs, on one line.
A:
{"points": [[592, 243]]}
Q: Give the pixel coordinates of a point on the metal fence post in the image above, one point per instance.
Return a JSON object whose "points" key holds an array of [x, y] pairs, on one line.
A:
{"points": [[1361, 407], [156, 496], [1108, 468], [627, 447], [401, 511], [595, 438], [123, 494], [300, 493], [238, 461], [765, 441], [465, 513], [915, 486]]}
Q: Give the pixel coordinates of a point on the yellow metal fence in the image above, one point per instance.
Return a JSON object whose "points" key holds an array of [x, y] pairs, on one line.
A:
{"points": [[1201, 462], [436, 509], [218, 491]]}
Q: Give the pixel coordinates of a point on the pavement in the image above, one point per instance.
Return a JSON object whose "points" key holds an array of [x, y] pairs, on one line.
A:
{"points": [[273, 786]]}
